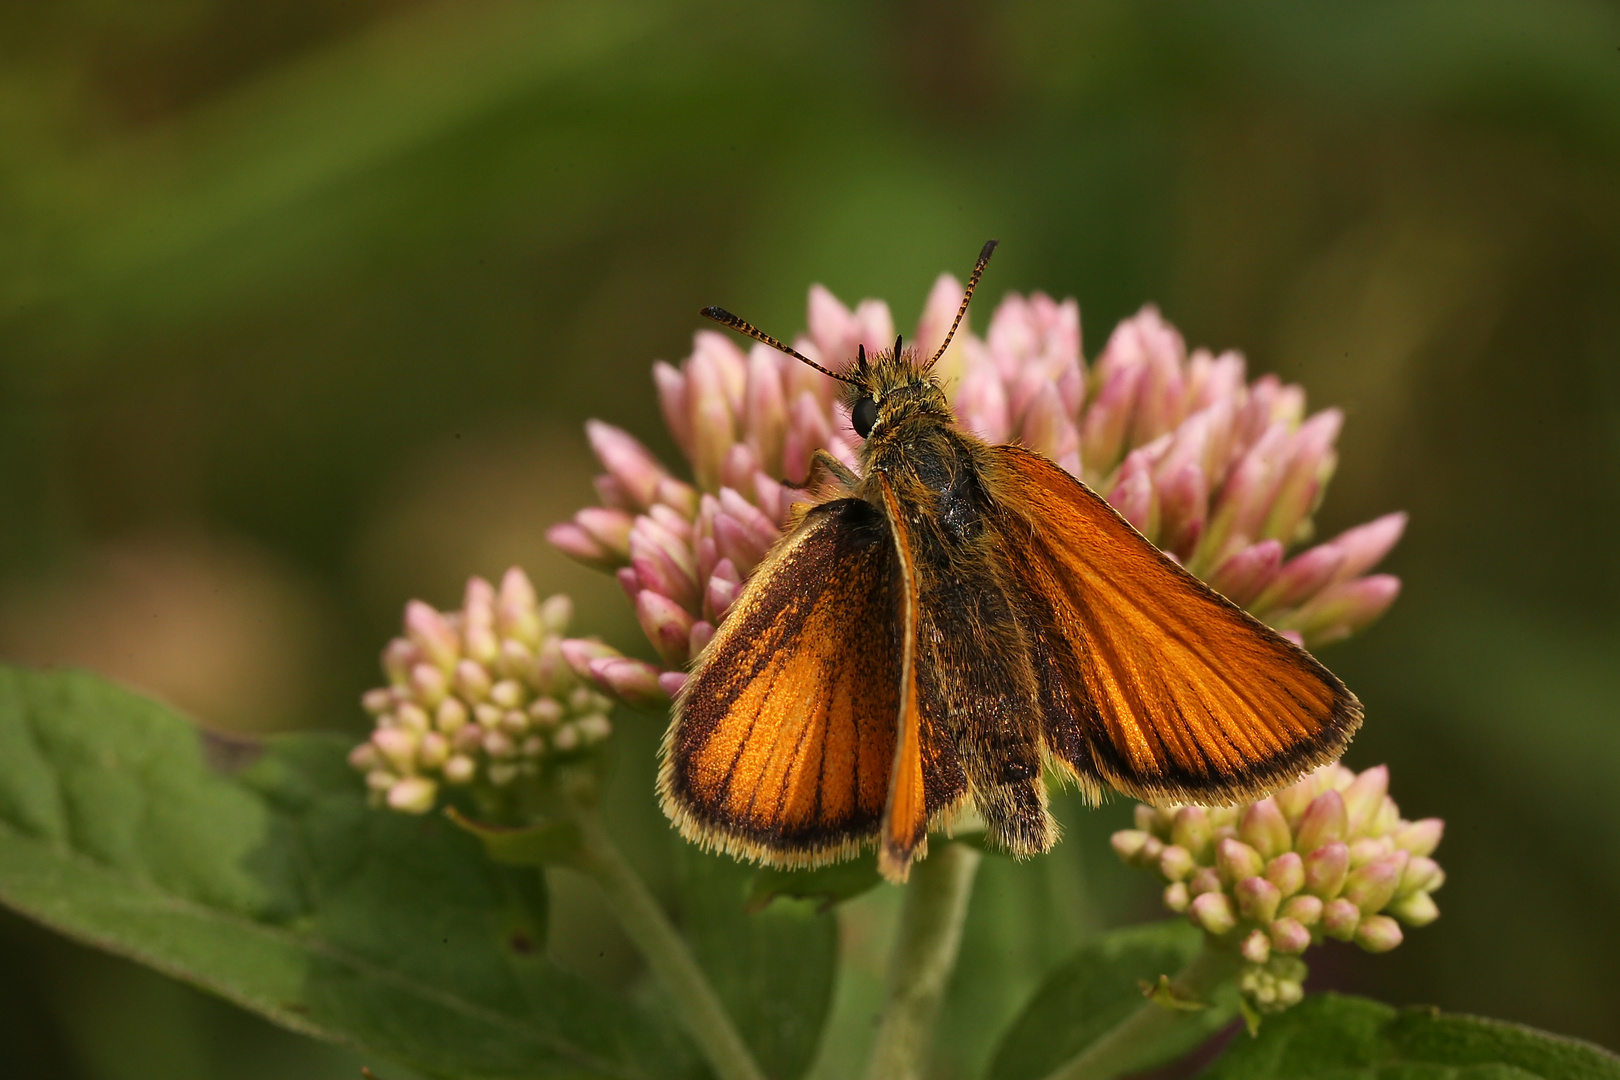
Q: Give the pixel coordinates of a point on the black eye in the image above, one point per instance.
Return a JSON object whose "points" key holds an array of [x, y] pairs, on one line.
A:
{"points": [[864, 416]]}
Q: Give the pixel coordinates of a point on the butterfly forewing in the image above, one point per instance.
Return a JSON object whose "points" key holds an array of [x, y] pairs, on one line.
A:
{"points": [[783, 739], [1152, 682]]}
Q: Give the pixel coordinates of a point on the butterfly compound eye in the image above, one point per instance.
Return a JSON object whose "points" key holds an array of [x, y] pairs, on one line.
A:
{"points": [[864, 416]]}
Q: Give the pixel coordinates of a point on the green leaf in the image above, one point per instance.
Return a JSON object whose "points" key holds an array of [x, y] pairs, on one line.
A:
{"points": [[827, 885], [258, 872], [1349, 1038], [773, 968], [1099, 987], [545, 843]]}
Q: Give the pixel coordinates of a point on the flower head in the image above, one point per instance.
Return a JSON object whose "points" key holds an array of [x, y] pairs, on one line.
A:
{"points": [[1221, 472], [482, 696], [1328, 857]]}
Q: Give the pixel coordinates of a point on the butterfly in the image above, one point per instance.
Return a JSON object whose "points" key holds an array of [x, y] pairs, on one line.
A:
{"points": [[948, 623]]}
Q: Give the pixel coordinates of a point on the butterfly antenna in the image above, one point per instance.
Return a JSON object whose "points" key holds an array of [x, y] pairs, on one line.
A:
{"points": [[726, 318], [973, 282]]}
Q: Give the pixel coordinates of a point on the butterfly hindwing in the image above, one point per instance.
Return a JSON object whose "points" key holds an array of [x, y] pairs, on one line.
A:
{"points": [[1151, 681], [782, 744]]}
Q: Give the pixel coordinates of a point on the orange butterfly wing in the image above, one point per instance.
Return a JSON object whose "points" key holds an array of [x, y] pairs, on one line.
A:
{"points": [[783, 740], [1152, 681]]}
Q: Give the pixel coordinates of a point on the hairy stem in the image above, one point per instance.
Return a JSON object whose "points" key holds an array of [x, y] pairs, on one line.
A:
{"points": [[924, 956], [1122, 1047], [694, 1001]]}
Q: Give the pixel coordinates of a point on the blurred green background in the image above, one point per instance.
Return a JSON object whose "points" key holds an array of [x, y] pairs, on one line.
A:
{"points": [[302, 306]]}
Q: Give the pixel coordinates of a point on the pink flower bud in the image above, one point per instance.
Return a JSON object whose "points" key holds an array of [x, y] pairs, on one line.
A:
{"points": [[712, 424], [725, 585], [1264, 828], [450, 717], [1257, 899], [1422, 874], [1311, 462], [671, 385], [626, 460], [1372, 886], [468, 739], [666, 624], [1420, 837], [1236, 860], [1341, 610], [1176, 896], [433, 752], [397, 747], [1134, 496], [671, 682], [499, 745], [574, 541], [981, 404], [1242, 576], [411, 717], [938, 313], [1255, 947], [1102, 430], [663, 563], [460, 769], [1417, 909], [1045, 426], [634, 682], [1365, 545], [765, 407], [1378, 933], [1128, 845], [1304, 909], [1175, 863], [1325, 870], [1293, 799], [1153, 819], [1287, 872], [1213, 912], [1289, 937], [1363, 798], [1300, 578], [428, 684], [1324, 822], [608, 529], [1366, 849], [577, 654], [1191, 830], [428, 631], [1205, 879], [413, 795], [1340, 918], [1183, 497], [679, 496], [364, 757]]}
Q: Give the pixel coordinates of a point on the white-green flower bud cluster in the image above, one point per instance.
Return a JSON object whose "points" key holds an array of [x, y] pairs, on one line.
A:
{"points": [[1329, 856], [480, 696]]}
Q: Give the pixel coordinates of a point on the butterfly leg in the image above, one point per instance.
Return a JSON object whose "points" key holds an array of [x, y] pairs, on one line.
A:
{"points": [[822, 463]]}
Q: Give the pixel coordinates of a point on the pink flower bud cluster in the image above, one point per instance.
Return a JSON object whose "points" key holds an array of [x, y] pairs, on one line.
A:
{"points": [[1328, 857], [481, 696], [1222, 473]]}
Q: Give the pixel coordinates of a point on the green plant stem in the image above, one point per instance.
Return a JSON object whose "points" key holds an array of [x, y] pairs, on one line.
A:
{"points": [[1122, 1046], [924, 956], [695, 1003]]}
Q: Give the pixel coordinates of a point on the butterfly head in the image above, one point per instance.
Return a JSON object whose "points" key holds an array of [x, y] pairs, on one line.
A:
{"points": [[891, 387]]}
